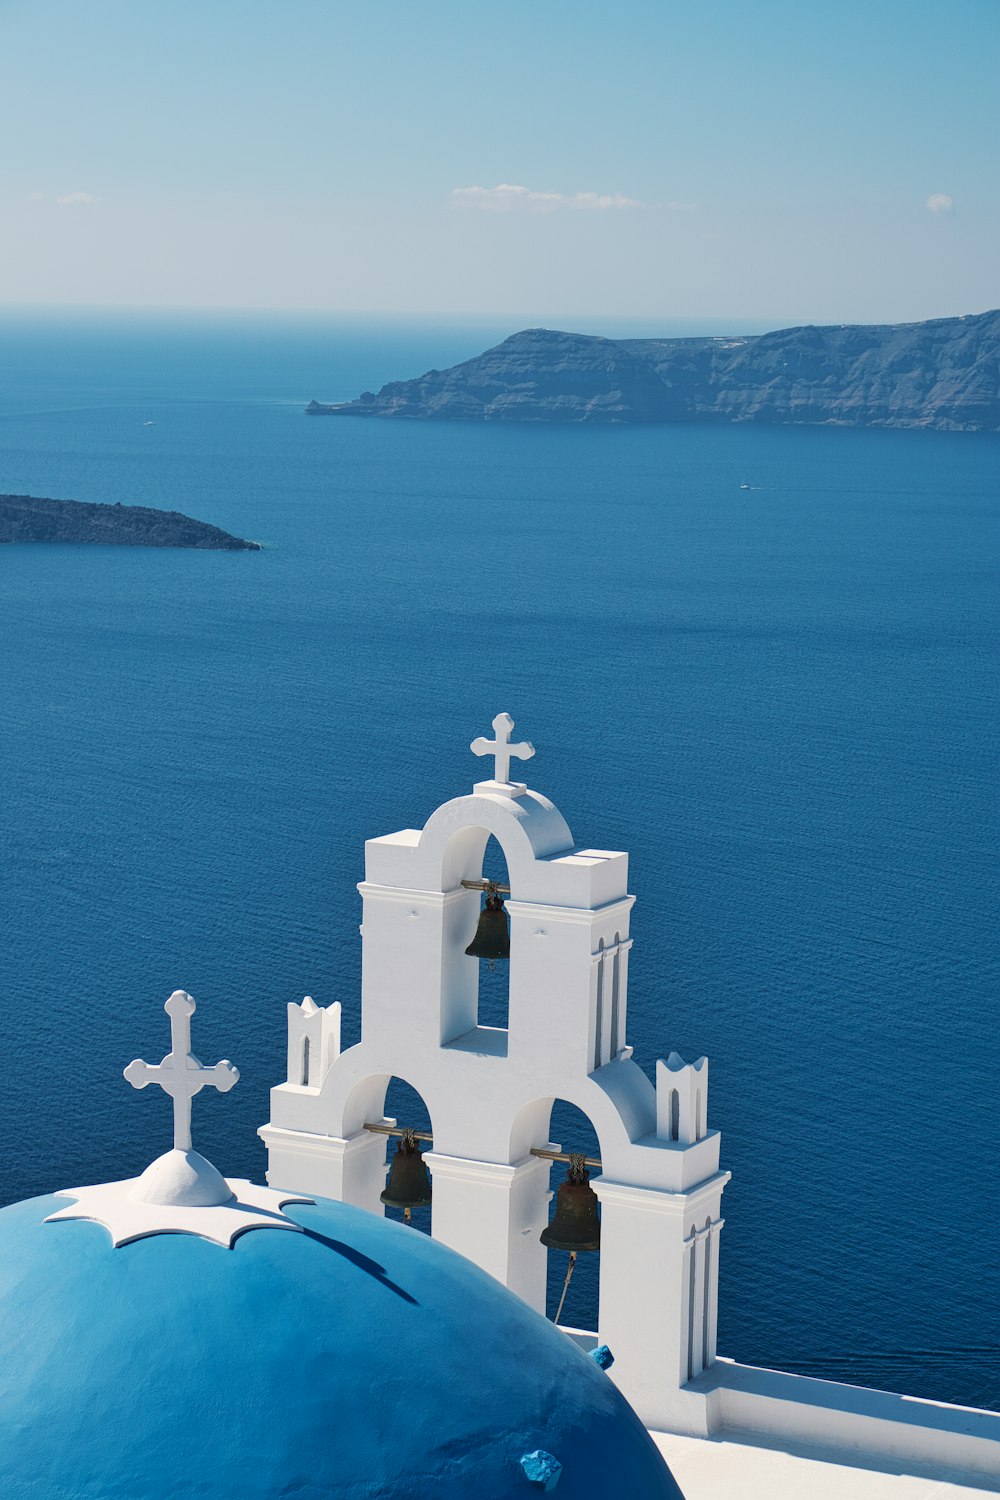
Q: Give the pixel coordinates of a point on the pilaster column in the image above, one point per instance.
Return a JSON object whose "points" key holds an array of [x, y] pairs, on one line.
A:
{"points": [[619, 1028], [687, 1310], [493, 1213], [712, 1292], [652, 1268], [696, 1352]]}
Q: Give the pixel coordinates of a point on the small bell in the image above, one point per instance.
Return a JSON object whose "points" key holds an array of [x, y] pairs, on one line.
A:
{"points": [[576, 1225], [492, 939], [409, 1185]]}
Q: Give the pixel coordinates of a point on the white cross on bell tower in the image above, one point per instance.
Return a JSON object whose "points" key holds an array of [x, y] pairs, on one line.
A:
{"points": [[501, 749]]}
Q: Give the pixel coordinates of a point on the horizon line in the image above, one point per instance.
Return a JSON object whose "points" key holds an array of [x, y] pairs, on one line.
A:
{"points": [[524, 319]]}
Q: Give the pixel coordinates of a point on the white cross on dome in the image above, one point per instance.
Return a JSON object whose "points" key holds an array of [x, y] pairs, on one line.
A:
{"points": [[180, 1074], [180, 1192]]}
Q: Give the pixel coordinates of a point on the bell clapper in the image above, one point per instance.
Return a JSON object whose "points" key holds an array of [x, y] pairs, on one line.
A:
{"points": [[408, 1216], [569, 1273]]}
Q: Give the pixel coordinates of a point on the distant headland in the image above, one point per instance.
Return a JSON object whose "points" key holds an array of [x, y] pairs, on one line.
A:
{"points": [[943, 374], [27, 518]]}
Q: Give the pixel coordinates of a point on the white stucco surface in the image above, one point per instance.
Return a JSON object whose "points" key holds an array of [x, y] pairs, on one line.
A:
{"points": [[489, 1091], [721, 1469]]}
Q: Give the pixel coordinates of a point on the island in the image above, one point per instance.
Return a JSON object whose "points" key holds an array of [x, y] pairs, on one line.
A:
{"points": [[27, 518], [941, 374]]}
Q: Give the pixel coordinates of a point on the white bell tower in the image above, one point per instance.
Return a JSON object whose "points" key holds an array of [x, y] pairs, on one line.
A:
{"points": [[490, 1091]]}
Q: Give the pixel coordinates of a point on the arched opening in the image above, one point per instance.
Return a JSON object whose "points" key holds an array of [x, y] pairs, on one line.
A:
{"points": [[476, 989], [675, 1115], [304, 1080], [493, 1009], [407, 1108], [574, 1133]]}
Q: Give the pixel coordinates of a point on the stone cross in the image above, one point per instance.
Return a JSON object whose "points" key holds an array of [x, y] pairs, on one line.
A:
{"points": [[500, 748], [180, 1074]]}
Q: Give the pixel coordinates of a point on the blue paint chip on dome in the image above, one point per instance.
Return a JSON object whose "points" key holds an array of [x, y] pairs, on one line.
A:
{"points": [[542, 1469]]}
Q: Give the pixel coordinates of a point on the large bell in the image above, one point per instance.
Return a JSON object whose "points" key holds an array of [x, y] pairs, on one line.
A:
{"points": [[576, 1225], [409, 1185], [492, 939]]}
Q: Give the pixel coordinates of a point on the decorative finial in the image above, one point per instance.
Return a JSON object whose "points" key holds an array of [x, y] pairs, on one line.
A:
{"points": [[180, 1074], [501, 749]]}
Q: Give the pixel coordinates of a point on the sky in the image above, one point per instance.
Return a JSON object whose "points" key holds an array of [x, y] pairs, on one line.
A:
{"points": [[780, 161]]}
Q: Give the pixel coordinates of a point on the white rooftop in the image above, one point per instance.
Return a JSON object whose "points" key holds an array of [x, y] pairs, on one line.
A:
{"points": [[719, 1468]]}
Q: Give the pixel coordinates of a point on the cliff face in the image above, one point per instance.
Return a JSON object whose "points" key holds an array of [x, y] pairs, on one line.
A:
{"points": [[943, 374], [24, 518]]}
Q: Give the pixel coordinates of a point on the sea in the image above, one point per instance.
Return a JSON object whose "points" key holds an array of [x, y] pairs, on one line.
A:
{"points": [[781, 700]]}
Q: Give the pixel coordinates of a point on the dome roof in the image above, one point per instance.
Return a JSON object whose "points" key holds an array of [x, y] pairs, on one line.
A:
{"points": [[355, 1359]]}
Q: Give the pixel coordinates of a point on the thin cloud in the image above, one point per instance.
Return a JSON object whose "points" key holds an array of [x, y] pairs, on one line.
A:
{"points": [[940, 203], [510, 195], [70, 200]]}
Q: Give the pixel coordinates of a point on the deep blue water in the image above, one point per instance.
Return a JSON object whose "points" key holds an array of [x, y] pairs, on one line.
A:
{"points": [[781, 702]]}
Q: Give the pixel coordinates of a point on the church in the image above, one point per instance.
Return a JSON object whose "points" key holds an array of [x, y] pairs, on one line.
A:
{"points": [[186, 1333]]}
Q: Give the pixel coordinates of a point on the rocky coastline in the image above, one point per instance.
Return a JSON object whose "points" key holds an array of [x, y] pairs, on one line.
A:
{"points": [[943, 374]]}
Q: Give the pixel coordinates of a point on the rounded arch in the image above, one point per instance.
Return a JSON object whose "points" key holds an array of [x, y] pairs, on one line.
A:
{"points": [[368, 1098], [563, 1122], [388, 1095], [527, 828], [493, 979], [615, 1121]]}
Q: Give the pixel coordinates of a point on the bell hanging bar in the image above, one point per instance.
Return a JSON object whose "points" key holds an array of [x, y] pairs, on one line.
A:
{"points": [[417, 1135], [486, 885], [424, 1135], [571, 1156]]}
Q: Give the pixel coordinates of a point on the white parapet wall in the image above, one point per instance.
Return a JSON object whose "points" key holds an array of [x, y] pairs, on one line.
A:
{"points": [[744, 1402]]}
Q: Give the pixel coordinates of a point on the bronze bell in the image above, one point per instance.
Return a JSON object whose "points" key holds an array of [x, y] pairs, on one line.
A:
{"points": [[576, 1225], [409, 1185], [492, 939]]}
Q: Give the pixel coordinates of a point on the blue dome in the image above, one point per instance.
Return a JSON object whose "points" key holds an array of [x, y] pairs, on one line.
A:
{"points": [[359, 1360]]}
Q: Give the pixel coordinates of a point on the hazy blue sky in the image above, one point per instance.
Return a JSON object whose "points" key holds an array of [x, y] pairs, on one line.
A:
{"points": [[832, 161]]}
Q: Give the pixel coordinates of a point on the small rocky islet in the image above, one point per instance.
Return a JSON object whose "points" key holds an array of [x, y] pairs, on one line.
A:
{"points": [[30, 518], [942, 374]]}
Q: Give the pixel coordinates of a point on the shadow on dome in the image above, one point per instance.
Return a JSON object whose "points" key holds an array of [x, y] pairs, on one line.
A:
{"points": [[362, 1262]]}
